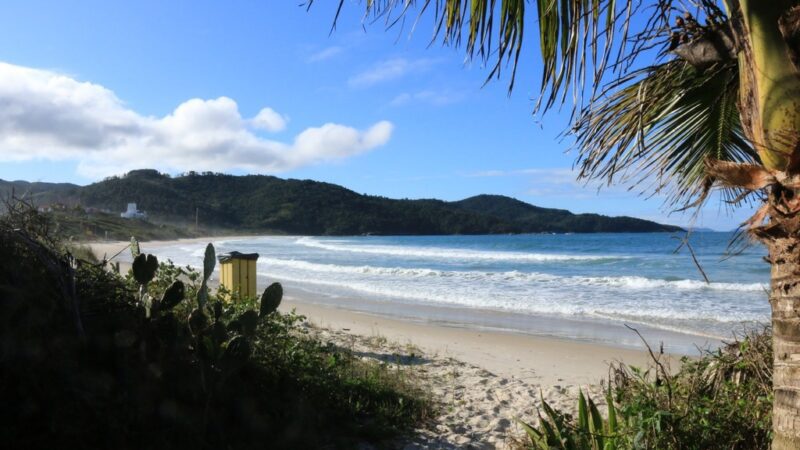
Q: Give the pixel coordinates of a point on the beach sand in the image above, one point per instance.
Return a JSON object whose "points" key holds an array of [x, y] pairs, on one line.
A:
{"points": [[483, 379]]}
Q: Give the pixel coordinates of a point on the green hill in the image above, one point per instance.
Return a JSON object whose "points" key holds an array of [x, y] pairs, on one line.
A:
{"points": [[41, 193], [535, 219], [258, 203]]}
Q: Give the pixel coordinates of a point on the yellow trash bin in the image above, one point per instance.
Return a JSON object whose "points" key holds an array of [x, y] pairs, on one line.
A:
{"points": [[238, 273]]}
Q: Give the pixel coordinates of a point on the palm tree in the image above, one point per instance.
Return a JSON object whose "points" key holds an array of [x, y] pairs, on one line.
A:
{"points": [[682, 97]]}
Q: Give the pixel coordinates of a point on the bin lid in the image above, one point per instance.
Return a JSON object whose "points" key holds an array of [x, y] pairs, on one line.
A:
{"points": [[236, 255]]}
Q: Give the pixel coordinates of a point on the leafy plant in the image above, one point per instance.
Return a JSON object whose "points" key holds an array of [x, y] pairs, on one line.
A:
{"points": [[720, 401], [591, 431]]}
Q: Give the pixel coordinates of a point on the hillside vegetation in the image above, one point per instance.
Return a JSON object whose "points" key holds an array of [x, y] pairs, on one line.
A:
{"points": [[76, 224], [258, 203]]}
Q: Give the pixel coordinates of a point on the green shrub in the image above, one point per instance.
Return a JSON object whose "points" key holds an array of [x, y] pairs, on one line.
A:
{"points": [[91, 359], [722, 400]]}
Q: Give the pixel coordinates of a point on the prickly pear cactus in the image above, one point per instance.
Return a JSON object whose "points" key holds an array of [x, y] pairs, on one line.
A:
{"points": [[236, 353], [166, 327], [217, 310], [173, 296], [144, 268], [234, 326], [134, 247], [271, 299], [202, 296], [209, 262], [219, 333], [248, 322], [198, 321]]}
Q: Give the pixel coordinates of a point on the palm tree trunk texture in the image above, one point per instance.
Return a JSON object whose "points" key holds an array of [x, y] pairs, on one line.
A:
{"points": [[783, 243], [770, 111]]}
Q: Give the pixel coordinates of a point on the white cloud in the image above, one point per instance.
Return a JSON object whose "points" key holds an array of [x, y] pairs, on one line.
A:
{"points": [[390, 69], [49, 116], [325, 54], [268, 119]]}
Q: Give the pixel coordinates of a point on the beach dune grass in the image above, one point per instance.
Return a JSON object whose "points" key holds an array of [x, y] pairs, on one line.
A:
{"points": [[722, 400], [82, 366]]}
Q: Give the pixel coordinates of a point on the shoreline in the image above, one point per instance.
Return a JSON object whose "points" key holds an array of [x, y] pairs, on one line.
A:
{"points": [[540, 359], [546, 359], [586, 329], [483, 379]]}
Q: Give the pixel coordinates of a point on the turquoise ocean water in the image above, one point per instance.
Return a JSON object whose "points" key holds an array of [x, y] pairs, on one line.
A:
{"points": [[584, 286]]}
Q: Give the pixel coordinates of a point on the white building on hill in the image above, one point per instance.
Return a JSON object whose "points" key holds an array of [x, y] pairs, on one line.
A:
{"points": [[133, 213]]}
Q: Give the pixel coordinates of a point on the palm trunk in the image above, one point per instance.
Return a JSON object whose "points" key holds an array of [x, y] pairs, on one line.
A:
{"points": [[782, 238], [769, 107]]}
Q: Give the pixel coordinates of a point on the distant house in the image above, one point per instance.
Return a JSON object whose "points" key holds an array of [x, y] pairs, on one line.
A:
{"points": [[45, 209], [133, 213]]}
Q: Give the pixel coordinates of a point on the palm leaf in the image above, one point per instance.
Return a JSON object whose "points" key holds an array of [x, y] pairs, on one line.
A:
{"points": [[651, 125], [658, 125], [575, 36]]}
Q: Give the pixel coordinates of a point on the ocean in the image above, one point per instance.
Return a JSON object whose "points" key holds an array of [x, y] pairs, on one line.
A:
{"points": [[579, 286]]}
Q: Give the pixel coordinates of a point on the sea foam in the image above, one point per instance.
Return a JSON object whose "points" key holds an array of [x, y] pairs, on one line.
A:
{"points": [[441, 253]]}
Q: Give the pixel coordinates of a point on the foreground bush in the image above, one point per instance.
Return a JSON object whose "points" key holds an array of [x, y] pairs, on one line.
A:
{"points": [[720, 401], [89, 359]]}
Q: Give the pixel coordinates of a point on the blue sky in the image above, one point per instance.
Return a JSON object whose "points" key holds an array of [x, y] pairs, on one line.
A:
{"points": [[119, 85]]}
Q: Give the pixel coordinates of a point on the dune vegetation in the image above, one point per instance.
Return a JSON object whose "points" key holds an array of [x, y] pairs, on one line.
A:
{"points": [[92, 358], [722, 400]]}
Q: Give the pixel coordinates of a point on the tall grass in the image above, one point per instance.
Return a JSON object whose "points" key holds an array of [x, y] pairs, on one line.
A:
{"points": [[722, 400]]}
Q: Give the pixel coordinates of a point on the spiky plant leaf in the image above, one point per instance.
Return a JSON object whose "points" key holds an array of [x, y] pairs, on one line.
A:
{"points": [[583, 417], [611, 427], [596, 429], [535, 436]]}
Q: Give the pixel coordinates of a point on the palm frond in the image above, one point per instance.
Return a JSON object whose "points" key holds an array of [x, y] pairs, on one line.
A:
{"points": [[659, 124], [576, 37], [651, 124]]}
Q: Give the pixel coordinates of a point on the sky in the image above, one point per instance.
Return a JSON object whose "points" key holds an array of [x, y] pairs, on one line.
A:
{"points": [[92, 89]]}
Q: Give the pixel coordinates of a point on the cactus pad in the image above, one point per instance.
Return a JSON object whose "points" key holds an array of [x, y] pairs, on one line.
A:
{"points": [[173, 295], [209, 262], [248, 322], [144, 268], [197, 321], [236, 353], [271, 299]]}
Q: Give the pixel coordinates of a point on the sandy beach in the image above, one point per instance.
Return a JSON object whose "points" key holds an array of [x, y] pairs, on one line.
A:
{"points": [[483, 378]]}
